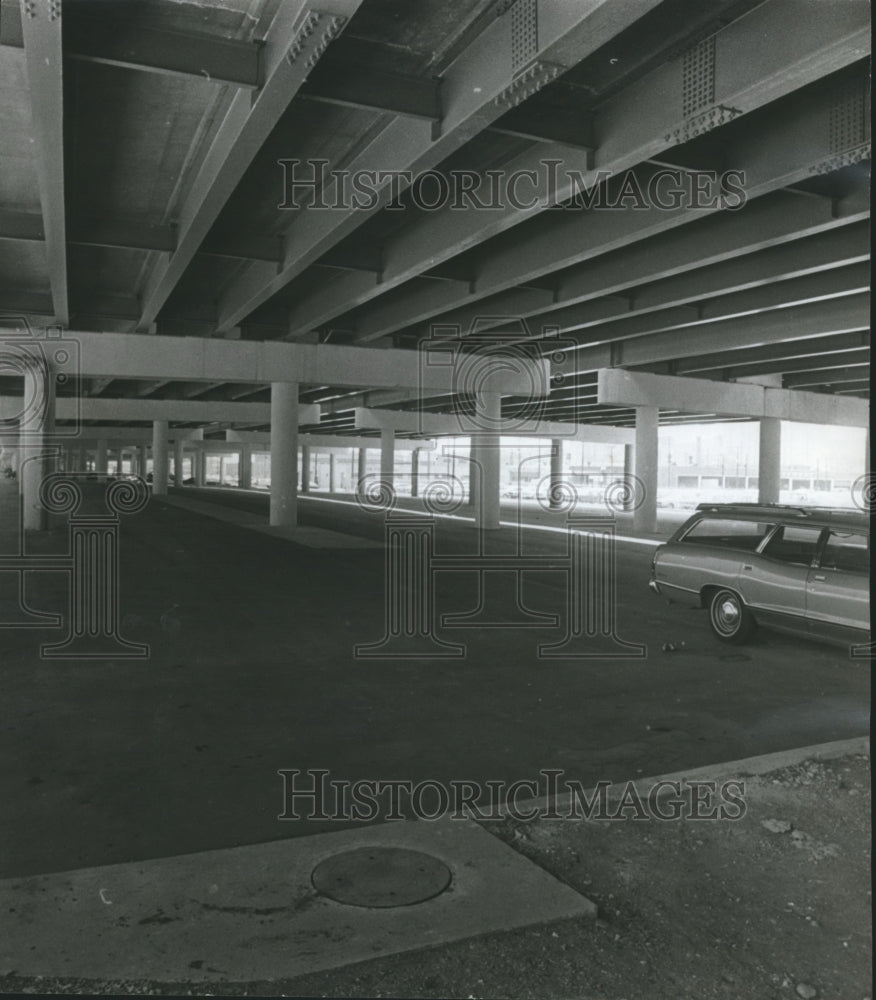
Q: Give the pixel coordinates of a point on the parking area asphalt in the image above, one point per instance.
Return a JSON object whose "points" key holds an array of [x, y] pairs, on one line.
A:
{"points": [[252, 669]]}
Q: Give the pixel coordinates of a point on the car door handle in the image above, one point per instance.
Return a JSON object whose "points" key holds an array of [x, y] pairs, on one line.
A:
{"points": [[818, 576], [747, 568]]}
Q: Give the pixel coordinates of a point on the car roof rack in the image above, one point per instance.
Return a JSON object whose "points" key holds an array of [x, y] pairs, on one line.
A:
{"points": [[752, 507]]}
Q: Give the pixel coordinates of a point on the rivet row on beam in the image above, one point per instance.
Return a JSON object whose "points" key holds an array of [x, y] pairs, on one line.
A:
{"points": [[331, 30], [527, 83], [703, 123], [846, 159], [333, 26]]}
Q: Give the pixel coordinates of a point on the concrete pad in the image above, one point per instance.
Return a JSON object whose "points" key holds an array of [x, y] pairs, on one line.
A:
{"points": [[231, 515], [252, 912], [311, 537], [318, 538]]}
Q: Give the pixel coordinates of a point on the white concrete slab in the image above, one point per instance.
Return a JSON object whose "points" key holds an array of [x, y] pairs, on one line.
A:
{"points": [[312, 538], [252, 913]]}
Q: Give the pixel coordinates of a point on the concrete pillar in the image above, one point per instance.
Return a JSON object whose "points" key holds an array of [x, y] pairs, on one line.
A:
{"points": [[244, 478], [141, 461], [387, 455], [35, 428], [474, 471], [200, 467], [304, 485], [629, 472], [159, 457], [178, 456], [332, 485], [647, 422], [362, 469], [867, 453], [415, 472], [284, 454], [556, 481], [488, 409], [769, 460], [101, 456]]}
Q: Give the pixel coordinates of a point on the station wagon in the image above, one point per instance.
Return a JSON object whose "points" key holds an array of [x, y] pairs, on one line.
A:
{"points": [[796, 569]]}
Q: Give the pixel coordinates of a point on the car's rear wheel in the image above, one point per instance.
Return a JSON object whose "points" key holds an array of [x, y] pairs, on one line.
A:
{"points": [[730, 619]]}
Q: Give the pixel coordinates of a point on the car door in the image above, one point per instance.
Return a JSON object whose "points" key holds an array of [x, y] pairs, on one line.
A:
{"points": [[773, 582], [838, 587]]}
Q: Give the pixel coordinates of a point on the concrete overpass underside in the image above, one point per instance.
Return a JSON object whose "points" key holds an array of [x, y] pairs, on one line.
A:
{"points": [[634, 220]]}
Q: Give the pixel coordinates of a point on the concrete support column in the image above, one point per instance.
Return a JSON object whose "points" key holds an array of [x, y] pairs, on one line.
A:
{"points": [[200, 467], [284, 454], [487, 471], [332, 485], [362, 469], [647, 422], [867, 453], [387, 455], [178, 456], [415, 472], [304, 486], [769, 460], [36, 425], [556, 484], [474, 471], [628, 475], [159, 457], [141, 461], [101, 456], [244, 478]]}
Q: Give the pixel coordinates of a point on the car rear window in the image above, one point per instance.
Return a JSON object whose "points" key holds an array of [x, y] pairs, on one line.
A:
{"points": [[729, 532], [847, 551]]}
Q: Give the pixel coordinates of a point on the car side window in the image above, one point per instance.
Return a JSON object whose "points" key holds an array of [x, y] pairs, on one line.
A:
{"points": [[728, 532], [847, 551], [794, 544]]}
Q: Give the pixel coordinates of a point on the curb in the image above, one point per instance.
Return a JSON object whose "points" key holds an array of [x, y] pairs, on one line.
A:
{"points": [[746, 766]]}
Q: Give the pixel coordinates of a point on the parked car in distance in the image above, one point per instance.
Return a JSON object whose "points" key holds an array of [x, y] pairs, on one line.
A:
{"points": [[804, 570]]}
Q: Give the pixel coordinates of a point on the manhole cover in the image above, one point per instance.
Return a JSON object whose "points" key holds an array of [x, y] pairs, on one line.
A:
{"points": [[381, 877]]}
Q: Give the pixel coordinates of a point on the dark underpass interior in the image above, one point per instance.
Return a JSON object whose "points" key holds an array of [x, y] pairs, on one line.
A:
{"points": [[251, 670]]}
